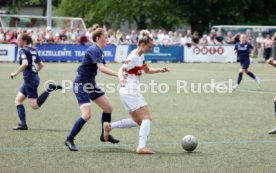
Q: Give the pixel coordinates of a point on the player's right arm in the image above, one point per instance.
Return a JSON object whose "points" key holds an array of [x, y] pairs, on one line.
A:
{"points": [[39, 66], [22, 67], [122, 76]]}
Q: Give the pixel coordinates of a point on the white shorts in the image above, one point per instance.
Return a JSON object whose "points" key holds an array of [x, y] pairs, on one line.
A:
{"points": [[132, 102]]}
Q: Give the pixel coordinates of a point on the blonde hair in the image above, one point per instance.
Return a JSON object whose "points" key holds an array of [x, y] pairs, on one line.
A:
{"points": [[144, 37]]}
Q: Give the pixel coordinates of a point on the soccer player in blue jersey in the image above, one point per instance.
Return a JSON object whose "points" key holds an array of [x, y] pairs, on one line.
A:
{"points": [[243, 50], [86, 89], [30, 64]]}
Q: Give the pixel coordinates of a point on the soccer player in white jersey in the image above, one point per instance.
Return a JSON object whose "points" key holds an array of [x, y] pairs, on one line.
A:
{"points": [[131, 96]]}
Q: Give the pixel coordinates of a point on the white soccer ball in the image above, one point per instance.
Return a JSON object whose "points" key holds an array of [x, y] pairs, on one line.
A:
{"points": [[189, 143]]}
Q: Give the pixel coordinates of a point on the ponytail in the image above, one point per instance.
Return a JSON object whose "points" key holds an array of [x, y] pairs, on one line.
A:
{"points": [[144, 37]]}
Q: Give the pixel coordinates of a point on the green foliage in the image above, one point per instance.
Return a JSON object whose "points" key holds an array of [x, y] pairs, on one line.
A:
{"points": [[167, 14]]}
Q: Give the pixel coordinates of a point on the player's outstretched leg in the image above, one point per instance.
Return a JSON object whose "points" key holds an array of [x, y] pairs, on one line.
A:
{"points": [[42, 98], [249, 73]]}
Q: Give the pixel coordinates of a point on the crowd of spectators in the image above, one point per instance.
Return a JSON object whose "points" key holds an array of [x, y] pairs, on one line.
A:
{"points": [[264, 45]]}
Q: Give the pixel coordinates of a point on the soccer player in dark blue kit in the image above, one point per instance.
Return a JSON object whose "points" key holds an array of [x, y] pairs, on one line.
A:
{"points": [[243, 50], [30, 64], [86, 89]]}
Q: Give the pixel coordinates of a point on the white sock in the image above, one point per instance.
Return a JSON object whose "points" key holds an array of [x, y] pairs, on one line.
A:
{"points": [[144, 133], [125, 123]]}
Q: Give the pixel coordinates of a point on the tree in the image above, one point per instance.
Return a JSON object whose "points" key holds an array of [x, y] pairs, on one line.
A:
{"points": [[16, 5], [146, 14]]}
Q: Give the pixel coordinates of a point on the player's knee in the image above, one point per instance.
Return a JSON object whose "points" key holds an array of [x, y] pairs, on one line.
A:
{"points": [[108, 109], [18, 102], [86, 117], [34, 106]]}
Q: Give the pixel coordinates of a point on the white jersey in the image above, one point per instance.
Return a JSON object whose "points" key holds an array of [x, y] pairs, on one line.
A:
{"points": [[134, 65], [130, 94]]}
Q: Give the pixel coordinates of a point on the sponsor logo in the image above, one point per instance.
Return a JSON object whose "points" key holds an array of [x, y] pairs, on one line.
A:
{"points": [[3, 52], [208, 50]]}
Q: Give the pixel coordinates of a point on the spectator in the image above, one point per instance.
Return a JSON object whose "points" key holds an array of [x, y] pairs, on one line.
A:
{"points": [[48, 35], [57, 38], [188, 39], [111, 38], [2, 36], [165, 40], [267, 47], [181, 39], [260, 46], [236, 38], [212, 37], [88, 35], [155, 38], [175, 39], [84, 39], [219, 38], [274, 46], [195, 39], [229, 38], [204, 40], [249, 37], [133, 37], [62, 36]]}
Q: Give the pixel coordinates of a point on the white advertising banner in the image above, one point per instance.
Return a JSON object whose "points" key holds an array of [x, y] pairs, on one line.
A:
{"points": [[223, 53], [121, 53], [7, 52]]}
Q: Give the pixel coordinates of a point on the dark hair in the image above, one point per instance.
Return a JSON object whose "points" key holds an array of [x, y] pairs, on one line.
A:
{"points": [[97, 33], [144, 37], [28, 39]]}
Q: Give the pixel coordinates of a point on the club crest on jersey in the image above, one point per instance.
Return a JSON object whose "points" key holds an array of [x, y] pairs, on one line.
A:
{"points": [[127, 61]]}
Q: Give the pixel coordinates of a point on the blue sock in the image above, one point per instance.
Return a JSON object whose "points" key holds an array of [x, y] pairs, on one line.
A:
{"points": [[76, 128], [239, 78], [106, 117], [21, 113], [42, 98], [251, 75]]}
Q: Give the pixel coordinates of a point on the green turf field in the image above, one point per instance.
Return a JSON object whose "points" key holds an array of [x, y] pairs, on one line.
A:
{"points": [[231, 127]]}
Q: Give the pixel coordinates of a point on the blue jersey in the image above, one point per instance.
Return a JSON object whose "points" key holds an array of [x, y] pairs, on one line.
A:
{"points": [[32, 57], [87, 71], [243, 50]]}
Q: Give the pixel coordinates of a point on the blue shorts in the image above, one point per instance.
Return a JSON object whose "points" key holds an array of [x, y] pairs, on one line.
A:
{"points": [[86, 92], [245, 64], [29, 88]]}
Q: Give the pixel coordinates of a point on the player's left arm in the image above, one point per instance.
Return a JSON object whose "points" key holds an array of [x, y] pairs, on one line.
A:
{"points": [[39, 66], [104, 69], [252, 50], [149, 70], [38, 63]]}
